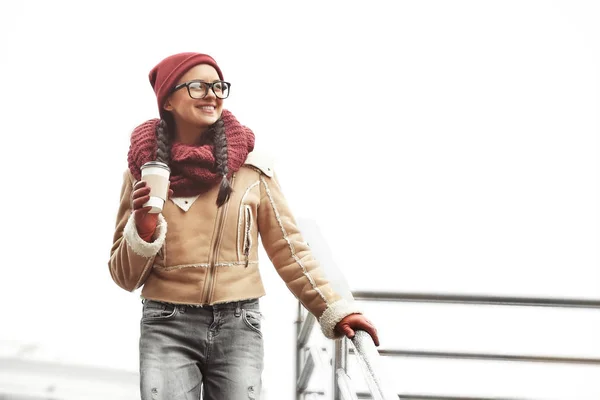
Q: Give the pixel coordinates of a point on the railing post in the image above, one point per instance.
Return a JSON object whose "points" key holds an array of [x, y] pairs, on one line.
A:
{"points": [[340, 360], [298, 351], [347, 390]]}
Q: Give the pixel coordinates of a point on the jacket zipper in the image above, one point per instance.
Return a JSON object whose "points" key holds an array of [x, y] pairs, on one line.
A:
{"points": [[208, 282], [247, 237]]}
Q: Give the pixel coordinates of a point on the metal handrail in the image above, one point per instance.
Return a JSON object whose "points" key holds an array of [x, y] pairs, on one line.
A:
{"points": [[406, 396], [488, 356], [313, 235], [368, 358], [342, 350], [475, 299]]}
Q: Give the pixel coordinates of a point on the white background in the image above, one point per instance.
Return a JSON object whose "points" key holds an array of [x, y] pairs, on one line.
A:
{"points": [[440, 145]]}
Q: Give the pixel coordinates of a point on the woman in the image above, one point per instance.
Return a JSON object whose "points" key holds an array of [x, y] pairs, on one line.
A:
{"points": [[201, 282]]}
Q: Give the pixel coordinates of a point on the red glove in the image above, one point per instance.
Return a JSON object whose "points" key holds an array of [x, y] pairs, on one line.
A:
{"points": [[353, 322], [144, 221]]}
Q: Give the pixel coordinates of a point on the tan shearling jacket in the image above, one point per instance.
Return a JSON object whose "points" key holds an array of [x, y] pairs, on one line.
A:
{"points": [[209, 255]]}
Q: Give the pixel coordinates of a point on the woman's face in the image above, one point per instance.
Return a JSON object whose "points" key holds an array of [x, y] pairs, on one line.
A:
{"points": [[200, 113]]}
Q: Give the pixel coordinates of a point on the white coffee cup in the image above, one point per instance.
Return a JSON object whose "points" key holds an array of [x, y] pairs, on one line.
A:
{"points": [[156, 175]]}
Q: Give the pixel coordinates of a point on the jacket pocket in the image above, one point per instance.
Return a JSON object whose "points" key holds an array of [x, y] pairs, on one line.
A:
{"points": [[247, 243]]}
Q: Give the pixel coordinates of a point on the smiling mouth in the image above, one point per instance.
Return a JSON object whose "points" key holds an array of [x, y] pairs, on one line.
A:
{"points": [[206, 108]]}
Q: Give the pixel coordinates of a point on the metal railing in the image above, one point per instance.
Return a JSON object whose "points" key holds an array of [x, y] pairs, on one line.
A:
{"points": [[368, 355], [341, 388], [475, 299], [483, 300], [309, 359]]}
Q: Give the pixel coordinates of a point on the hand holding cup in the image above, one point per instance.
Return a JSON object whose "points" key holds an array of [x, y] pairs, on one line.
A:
{"points": [[149, 195]]}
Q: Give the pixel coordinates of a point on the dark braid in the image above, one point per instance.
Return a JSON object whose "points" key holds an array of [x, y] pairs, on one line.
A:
{"points": [[163, 151], [220, 153]]}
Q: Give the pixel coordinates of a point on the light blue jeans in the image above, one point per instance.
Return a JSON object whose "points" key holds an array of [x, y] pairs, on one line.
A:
{"points": [[217, 348]]}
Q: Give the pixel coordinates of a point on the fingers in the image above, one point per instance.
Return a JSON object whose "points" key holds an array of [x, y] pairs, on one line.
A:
{"points": [[373, 333], [140, 195], [366, 325], [139, 185], [348, 332], [140, 199]]}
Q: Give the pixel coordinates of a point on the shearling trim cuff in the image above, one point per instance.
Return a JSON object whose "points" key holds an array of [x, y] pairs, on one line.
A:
{"points": [[139, 245], [334, 314]]}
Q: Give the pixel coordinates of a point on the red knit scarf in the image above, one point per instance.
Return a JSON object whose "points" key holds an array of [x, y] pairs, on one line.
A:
{"points": [[193, 168]]}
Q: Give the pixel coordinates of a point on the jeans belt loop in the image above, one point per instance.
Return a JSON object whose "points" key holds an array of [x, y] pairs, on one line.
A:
{"points": [[238, 309]]}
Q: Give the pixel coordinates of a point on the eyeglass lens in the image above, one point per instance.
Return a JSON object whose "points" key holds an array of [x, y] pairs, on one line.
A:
{"points": [[199, 89]]}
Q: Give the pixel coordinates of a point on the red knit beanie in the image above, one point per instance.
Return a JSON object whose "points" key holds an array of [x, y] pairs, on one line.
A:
{"points": [[164, 76]]}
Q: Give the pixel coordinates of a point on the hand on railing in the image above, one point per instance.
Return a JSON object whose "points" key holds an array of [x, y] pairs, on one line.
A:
{"points": [[353, 322]]}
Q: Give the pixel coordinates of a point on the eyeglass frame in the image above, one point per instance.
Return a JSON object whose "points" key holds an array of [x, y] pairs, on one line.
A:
{"points": [[209, 84]]}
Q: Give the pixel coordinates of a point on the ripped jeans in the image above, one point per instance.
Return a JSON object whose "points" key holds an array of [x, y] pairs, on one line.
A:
{"points": [[184, 349]]}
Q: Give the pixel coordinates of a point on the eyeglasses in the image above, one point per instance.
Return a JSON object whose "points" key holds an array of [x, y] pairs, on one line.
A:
{"points": [[199, 89]]}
